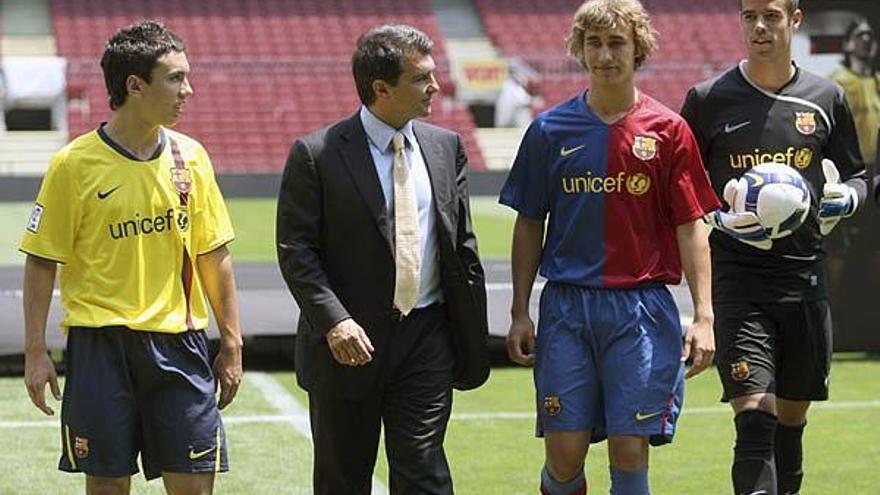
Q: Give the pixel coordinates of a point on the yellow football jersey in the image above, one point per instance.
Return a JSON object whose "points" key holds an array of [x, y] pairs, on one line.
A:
{"points": [[863, 95], [125, 234]]}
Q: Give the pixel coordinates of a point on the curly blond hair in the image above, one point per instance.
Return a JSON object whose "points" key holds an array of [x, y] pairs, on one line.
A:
{"points": [[603, 14]]}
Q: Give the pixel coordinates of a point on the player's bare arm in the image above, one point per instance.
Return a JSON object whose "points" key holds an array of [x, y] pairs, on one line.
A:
{"points": [[349, 343], [699, 341], [218, 279], [39, 279], [528, 236]]}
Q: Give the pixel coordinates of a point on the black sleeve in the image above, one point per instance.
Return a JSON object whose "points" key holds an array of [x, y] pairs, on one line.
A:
{"points": [[689, 110], [298, 241], [843, 148]]}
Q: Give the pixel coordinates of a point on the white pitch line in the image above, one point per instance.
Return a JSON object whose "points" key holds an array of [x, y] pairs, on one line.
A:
{"points": [[292, 411], [688, 411], [282, 401], [300, 420]]}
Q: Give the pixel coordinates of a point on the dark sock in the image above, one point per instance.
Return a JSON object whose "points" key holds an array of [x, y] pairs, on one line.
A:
{"points": [[574, 486], [789, 458], [629, 482], [753, 465]]}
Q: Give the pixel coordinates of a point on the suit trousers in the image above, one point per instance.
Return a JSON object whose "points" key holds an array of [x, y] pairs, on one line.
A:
{"points": [[412, 399]]}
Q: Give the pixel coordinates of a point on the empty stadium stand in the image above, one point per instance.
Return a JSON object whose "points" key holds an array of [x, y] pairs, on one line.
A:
{"points": [[696, 40], [264, 72]]}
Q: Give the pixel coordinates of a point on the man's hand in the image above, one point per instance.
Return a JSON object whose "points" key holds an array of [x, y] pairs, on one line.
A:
{"points": [[349, 343], [699, 347], [521, 341], [227, 371], [38, 371], [838, 200]]}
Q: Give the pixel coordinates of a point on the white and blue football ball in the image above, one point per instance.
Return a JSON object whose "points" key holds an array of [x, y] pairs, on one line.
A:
{"points": [[777, 194]]}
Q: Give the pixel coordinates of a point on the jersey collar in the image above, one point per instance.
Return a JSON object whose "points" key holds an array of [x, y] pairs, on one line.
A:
{"points": [[124, 152], [744, 74]]}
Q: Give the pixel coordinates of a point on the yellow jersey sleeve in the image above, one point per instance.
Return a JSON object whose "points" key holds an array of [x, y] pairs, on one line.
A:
{"points": [[212, 227], [54, 221]]}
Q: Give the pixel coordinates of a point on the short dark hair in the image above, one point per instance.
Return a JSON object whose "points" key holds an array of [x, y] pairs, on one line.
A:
{"points": [[135, 50], [380, 54], [790, 6]]}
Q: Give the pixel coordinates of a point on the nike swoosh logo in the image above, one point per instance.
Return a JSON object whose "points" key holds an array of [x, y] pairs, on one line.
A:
{"points": [[103, 195], [642, 417], [193, 456], [566, 152], [730, 128]]}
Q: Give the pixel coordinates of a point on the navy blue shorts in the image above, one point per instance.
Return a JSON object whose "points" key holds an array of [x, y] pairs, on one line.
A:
{"points": [[134, 392], [609, 361]]}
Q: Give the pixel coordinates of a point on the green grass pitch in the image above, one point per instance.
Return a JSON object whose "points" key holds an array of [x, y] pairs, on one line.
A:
{"points": [[254, 223], [490, 442]]}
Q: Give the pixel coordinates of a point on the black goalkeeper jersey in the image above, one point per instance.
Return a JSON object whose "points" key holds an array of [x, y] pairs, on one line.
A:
{"points": [[739, 125]]}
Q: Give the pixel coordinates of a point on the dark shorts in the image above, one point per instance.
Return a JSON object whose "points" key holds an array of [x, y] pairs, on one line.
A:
{"points": [[134, 392], [778, 348]]}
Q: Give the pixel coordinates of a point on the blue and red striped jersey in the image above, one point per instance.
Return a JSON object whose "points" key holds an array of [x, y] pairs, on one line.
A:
{"points": [[615, 193]]}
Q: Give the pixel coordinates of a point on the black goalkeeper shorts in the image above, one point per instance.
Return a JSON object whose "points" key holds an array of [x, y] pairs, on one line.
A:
{"points": [[779, 348]]}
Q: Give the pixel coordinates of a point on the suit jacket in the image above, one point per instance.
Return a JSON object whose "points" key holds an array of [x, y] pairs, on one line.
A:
{"points": [[335, 252]]}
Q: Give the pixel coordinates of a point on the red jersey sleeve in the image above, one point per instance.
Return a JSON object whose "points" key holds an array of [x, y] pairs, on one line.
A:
{"points": [[690, 194]]}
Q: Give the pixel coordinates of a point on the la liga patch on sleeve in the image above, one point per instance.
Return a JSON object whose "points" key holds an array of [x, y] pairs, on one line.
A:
{"points": [[36, 214]]}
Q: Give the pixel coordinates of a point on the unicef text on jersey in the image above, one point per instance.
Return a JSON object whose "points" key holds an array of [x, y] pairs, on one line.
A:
{"points": [[799, 159]]}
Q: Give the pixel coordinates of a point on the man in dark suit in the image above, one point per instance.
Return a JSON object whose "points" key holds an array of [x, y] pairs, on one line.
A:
{"points": [[375, 242]]}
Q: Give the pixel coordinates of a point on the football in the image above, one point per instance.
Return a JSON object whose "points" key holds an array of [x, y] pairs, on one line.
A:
{"points": [[777, 194]]}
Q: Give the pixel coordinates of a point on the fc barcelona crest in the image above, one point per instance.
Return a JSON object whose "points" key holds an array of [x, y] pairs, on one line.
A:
{"points": [[644, 147], [805, 122], [81, 447], [552, 405], [739, 370], [182, 179]]}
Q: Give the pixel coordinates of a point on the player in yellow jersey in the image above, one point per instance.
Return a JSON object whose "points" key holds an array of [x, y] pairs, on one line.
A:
{"points": [[132, 213], [860, 80]]}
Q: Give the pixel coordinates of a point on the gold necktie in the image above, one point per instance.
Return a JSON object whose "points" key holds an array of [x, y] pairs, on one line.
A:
{"points": [[406, 233]]}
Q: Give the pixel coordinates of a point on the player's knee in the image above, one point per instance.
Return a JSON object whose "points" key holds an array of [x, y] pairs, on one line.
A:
{"points": [[755, 430], [565, 453], [188, 483], [628, 453], [792, 413], [564, 468], [107, 486], [565, 462], [764, 402]]}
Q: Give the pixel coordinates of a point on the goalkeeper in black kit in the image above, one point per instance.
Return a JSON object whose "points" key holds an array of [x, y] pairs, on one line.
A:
{"points": [[772, 317]]}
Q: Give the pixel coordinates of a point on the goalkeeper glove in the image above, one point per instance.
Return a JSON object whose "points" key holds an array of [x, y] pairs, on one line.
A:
{"points": [[745, 226], [838, 200]]}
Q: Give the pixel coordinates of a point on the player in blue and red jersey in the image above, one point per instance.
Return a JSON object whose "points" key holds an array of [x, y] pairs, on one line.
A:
{"points": [[621, 179]]}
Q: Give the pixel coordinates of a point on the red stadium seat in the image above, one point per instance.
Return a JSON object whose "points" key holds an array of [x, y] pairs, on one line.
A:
{"points": [[261, 78], [693, 36]]}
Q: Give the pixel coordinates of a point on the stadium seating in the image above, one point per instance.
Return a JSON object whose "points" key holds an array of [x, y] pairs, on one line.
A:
{"points": [[264, 72], [696, 39]]}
